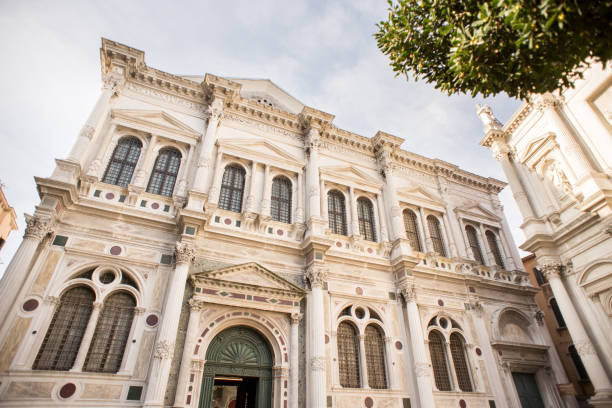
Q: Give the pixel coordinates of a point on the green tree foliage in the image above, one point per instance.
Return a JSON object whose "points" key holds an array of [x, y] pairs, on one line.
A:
{"points": [[487, 47]]}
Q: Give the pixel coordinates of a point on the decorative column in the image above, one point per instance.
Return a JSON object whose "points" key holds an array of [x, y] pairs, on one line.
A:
{"points": [[419, 354], [353, 205], [267, 192], [87, 337], [382, 218], [19, 268], [294, 355], [312, 144], [428, 242], [363, 367], [586, 350], [147, 163], [317, 276], [195, 309], [164, 348], [132, 348], [450, 238], [391, 380], [250, 202], [215, 188], [202, 174], [112, 85], [487, 254], [385, 163], [299, 210]]}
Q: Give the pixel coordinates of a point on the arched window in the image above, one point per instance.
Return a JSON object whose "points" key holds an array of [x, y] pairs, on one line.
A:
{"points": [[375, 357], [164, 172], [473, 241], [281, 200], [348, 355], [111, 335], [63, 339], [412, 230], [121, 166], [336, 212], [232, 188], [457, 346], [582, 372], [492, 240], [365, 216], [436, 235], [557, 312], [437, 351]]}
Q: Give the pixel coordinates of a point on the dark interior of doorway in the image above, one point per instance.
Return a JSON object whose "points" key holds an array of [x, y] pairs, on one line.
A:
{"points": [[234, 392]]}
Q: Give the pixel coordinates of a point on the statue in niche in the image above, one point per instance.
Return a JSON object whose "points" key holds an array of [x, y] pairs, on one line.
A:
{"points": [[559, 179]]}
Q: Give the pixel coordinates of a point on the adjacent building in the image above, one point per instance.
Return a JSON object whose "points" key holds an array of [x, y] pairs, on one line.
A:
{"points": [[8, 218], [214, 242], [555, 152]]}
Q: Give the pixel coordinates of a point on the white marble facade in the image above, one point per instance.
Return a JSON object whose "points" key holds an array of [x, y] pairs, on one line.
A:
{"points": [[556, 153], [195, 268]]}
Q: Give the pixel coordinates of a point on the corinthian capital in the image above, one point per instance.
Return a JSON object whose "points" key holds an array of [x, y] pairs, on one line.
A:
{"points": [[546, 101], [296, 318], [313, 140], [37, 227], [316, 276], [215, 110], [408, 291], [164, 350], [184, 252], [115, 80], [195, 305], [551, 270]]}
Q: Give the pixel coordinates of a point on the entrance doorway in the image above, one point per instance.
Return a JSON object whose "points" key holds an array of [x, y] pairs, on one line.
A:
{"points": [[527, 389], [238, 371]]}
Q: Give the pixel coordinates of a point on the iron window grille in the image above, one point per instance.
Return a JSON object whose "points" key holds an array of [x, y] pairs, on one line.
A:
{"points": [[412, 231], [492, 240], [557, 312], [123, 162], [473, 241], [63, 338], [281, 200], [232, 189], [375, 357], [457, 346], [365, 216], [437, 351], [165, 172], [111, 335], [336, 211], [436, 235], [348, 355]]}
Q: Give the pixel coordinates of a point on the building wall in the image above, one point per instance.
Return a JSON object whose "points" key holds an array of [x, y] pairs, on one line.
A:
{"points": [[8, 219], [195, 269]]}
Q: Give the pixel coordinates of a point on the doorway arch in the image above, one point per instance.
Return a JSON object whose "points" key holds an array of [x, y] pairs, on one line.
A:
{"points": [[243, 354]]}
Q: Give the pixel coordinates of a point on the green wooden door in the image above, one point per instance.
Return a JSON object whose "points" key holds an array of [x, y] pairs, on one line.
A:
{"points": [[527, 390], [238, 352]]}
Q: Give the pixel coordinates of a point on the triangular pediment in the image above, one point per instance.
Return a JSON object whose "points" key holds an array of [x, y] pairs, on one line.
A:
{"points": [[420, 194], [477, 211], [253, 275], [351, 173], [538, 147], [261, 149], [266, 92], [147, 120]]}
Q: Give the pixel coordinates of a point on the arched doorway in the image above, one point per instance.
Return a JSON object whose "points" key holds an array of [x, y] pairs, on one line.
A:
{"points": [[238, 368]]}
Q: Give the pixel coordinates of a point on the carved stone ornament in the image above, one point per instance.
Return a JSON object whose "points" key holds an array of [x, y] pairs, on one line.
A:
{"points": [[501, 150], [195, 305], [114, 81], [385, 162], [97, 305], [546, 101], [313, 140], [94, 168], [317, 364], [164, 350], [585, 348], [216, 110], [539, 316], [552, 270], [52, 300], [37, 227], [296, 318], [409, 292], [197, 365], [421, 369], [184, 252], [87, 132], [489, 120], [316, 276]]}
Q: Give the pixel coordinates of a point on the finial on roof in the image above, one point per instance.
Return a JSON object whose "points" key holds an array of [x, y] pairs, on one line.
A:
{"points": [[486, 116]]}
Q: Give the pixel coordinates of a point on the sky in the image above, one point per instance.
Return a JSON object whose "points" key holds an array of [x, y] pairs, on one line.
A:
{"points": [[321, 52]]}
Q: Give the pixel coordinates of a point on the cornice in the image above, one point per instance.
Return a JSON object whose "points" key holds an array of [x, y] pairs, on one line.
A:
{"points": [[517, 118]]}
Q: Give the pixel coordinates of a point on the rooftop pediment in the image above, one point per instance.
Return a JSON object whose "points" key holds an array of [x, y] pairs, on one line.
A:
{"points": [[260, 150], [538, 148], [268, 93], [342, 174], [156, 121], [477, 212], [417, 194]]}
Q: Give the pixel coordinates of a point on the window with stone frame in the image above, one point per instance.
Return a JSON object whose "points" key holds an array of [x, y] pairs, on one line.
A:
{"points": [[365, 217], [374, 343], [494, 247], [280, 203], [474, 245], [123, 162], [65, 333], [336, 212], [557, 313], [348, 355], [439, 360], [232, 188], [436, 235], [111, 334], [457, 346], [412, 230], [165, 171]]}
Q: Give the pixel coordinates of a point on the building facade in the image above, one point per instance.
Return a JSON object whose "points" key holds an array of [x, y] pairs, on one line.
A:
{"points": [[555, 152], [213, 242], [555, 323]]}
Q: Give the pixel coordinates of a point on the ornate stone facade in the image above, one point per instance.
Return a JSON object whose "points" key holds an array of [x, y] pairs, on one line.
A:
{"points": [[211, 245]]}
